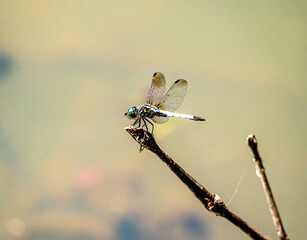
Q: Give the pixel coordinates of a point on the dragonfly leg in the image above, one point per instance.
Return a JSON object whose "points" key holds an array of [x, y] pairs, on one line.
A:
{"points": [[145, 125], [152, 126], [140, 121], [135, 122]]}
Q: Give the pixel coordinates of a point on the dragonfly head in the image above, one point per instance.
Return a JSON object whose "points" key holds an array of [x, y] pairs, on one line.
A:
{"points": [[132, 113]]}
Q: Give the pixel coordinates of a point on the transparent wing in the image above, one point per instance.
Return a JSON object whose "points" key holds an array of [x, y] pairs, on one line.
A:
{"points": [[160, 120], [174, 96], [157, 88]]}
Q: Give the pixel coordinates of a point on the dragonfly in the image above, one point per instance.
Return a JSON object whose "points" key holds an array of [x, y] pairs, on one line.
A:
{"points": [[159, 107]]}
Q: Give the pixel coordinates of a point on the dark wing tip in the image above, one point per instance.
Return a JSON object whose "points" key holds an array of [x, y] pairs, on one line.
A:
{"points": [[182, 81], [156, 74]]}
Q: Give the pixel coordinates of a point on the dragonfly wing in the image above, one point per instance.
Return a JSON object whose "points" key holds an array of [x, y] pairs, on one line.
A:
{"points": [[157, 88], [174, 96], [160, 120]]}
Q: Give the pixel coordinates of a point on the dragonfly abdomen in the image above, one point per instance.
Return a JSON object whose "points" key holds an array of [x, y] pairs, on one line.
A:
{"points": [[198, 118], [179, 115]]}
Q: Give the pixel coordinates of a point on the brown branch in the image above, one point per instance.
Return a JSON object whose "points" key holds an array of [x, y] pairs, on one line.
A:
{"points": [[252, 143], [211, 202]]}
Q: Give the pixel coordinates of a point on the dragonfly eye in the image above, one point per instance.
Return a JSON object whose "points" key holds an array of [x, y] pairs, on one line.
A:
{"points": [[132, 112]]}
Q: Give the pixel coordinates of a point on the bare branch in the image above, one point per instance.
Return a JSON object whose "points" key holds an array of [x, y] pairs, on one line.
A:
{"points": [[252, 143], [212, 202]]}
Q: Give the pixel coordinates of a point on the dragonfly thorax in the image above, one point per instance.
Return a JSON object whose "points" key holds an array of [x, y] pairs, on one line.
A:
{"points": [[147, 111]]}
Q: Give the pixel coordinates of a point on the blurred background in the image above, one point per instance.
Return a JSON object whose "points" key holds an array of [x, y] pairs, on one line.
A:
{"points": [[70, 69]]}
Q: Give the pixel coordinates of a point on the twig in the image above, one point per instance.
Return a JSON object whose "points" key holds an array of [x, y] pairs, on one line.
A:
{"points": [[252, 143], [211, 202]]}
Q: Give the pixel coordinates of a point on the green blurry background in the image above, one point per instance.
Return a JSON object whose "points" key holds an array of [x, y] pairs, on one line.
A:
{"points": [[70, 69]]}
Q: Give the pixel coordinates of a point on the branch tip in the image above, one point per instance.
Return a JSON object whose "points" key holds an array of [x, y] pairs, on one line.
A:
{"points": [[251, 140], [260, 171], [143, 137]]}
